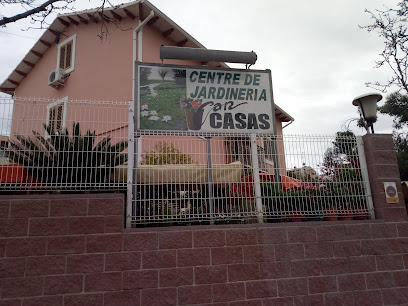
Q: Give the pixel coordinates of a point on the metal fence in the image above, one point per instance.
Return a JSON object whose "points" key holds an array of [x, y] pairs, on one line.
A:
{"points": [[258, 178], [65, 145], [61, 144]]}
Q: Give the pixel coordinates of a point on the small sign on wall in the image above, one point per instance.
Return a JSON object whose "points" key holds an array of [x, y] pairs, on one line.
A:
{"points": [[391, 193]]}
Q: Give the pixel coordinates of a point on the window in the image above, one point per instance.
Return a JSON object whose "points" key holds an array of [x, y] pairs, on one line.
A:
{"points": [[56, 114], [242, 152], [66, 54], [268, 145]]}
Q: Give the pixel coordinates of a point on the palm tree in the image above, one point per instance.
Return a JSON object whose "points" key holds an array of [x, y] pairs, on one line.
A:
{"points": [[67, 162]]}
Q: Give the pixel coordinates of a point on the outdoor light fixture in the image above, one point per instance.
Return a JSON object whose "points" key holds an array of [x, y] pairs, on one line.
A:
{"points": [[368, 106], [206, 55]]}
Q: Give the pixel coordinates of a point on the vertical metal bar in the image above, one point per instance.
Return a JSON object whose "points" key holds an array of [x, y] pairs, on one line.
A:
{"points": [[209, 180], [257, 180], [131, 154], [275, 157], [275, 133], [132, 159], [364, 172]]}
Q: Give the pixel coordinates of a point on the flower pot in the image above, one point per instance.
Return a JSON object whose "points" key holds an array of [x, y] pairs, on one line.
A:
{"points": [[295, 215], [346, 213], [360, 213], [194, 119], [331, 214]]}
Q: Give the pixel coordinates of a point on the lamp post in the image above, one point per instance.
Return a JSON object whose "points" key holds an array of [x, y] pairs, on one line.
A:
{"points": [[368, 106]]}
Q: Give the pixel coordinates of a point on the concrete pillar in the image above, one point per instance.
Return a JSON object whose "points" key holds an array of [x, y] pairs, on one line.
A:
{"points": [[382, 167]]}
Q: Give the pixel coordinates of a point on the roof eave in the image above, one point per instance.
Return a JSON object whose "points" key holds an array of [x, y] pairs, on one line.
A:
{"points": [[282, 115]]}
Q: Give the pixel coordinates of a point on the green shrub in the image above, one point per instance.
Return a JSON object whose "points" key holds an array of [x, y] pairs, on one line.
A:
{"points": [[65, 161], [164, 154]]}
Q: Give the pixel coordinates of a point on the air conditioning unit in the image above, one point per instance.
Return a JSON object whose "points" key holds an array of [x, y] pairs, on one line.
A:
{"points": [[56, 78]]}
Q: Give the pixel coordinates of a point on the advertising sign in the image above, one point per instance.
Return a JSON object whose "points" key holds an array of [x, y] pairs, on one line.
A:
{"points": [[391, 193], [204, 99]]}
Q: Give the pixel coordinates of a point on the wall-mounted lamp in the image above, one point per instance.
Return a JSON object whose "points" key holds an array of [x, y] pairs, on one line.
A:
{"points": [[368, 106]]}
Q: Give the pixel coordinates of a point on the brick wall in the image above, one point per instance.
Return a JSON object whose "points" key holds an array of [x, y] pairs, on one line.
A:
{"points": [[73, 250], [383, 167]]}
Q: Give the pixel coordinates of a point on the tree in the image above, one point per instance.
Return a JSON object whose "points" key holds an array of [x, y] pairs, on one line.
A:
{"points": [[343, 152], [396, 106], [38, 13], [144, 74], [401, 145], [391, 25], [162, 73], [179, 76]]}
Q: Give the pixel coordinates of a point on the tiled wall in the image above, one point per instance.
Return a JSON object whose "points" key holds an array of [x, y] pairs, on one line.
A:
{"points": [[73, 250]]}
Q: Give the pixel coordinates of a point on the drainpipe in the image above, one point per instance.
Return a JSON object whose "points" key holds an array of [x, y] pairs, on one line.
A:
{"points": [[134, 146], [137, 55], [137, 47]]}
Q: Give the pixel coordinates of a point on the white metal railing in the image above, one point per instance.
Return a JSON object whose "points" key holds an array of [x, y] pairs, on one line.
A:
{"points": [[82, 145], [299, 178], [62, 144]]}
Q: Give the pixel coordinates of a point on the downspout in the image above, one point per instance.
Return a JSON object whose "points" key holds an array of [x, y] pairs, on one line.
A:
{"points": [[137, 56], [134, 146]]}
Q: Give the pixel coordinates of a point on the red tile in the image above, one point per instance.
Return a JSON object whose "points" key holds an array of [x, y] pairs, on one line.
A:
{"points": [[122, 261], [176, 277], [192, 295], [140, 279], [210, 274], [45, 265], [62, 284], [261, 289], [228, 292], [109, 281], [85, 263]]}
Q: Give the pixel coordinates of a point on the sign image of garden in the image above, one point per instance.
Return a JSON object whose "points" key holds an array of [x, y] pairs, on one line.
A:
{"points": [[200, 99], [163, 101]]}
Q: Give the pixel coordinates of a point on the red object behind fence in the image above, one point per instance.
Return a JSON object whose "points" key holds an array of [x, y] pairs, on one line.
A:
{"points": [[246, 188], [13, 173]]}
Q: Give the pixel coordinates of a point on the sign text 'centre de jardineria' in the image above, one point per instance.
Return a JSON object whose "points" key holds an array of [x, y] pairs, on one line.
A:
{"points": [[181, 98]]}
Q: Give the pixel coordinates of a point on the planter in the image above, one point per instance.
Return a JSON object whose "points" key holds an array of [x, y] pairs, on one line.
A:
{"points": [[13, 173], [360, 213], [346, 214], [331, 214], [194, 119], [295, 215]]}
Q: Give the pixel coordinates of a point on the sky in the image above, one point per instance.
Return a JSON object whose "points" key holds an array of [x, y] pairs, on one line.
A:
{"points": [[319, 57]]}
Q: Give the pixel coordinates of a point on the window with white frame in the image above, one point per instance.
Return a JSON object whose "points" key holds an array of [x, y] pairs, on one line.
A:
{"points": [[66, 54], [56, 114]]}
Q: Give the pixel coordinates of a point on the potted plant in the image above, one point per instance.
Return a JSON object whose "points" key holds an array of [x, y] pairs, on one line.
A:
{"points": [[295, 205], [360, 212], [274, 202], [194, 114], [68, 160], [331, 213]]}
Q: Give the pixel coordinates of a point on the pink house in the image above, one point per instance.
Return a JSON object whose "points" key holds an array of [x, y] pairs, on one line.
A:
{"points": [[101, 70]]}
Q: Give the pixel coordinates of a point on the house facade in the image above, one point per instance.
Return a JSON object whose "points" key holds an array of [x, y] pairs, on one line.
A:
{"points": [[89, 56]]}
